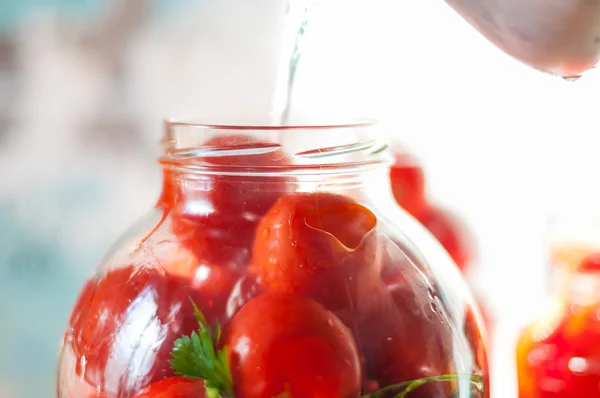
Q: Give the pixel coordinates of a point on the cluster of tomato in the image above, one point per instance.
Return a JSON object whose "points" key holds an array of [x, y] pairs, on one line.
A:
{"points": [[409, 187], [559, 355], [294, 280]]}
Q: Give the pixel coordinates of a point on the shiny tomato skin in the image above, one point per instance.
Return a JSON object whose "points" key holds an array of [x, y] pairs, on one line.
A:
{"points": [[125, 323], [281, 342], [215, 216], [408, 183], [450, 232], [218, 239], [406, 336], [244, 290], [319, 245], [215, 282], [399, 259], [238, 194], [230, 193], [174, 387]]}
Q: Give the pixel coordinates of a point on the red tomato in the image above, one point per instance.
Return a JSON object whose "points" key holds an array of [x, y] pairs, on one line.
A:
{"points": [[450, 232], [284, 343], [245, 194], [321, 246], [407, 336], [219, 239], [174, 387], [233, 194], [590, 263], [216, 216], [408, 183], [398, 263], [228, 192], [214, 281], [124, 326], [399, 258]]}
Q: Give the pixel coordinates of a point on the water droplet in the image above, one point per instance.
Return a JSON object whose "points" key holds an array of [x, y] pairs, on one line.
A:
{"points": [[434, 309], [430, 293], [572, 79], [82, 364]]}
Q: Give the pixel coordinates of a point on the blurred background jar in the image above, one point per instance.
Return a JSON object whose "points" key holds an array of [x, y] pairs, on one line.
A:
{"points": [[558, 354]]}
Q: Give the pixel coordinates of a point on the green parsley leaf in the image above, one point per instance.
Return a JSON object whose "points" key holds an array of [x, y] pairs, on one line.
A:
{"points": [[197, 356]]}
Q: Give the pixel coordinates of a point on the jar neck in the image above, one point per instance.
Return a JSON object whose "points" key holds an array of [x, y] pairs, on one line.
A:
{"points": [[253, 159], [181, 186]]}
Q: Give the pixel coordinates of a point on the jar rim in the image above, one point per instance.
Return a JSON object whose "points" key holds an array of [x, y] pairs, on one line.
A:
{"points": [[320, 148], [360, 122]]}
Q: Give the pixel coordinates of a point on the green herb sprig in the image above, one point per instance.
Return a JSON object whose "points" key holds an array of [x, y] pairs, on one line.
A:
{"points": [[412, 385], [197, 356]]}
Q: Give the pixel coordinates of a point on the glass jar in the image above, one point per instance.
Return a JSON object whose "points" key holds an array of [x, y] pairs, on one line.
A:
{"points": [[275, 264], [409, 186], [559, 355]]}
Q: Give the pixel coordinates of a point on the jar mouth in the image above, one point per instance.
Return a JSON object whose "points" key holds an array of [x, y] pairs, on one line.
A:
{"points": [[252, 147], [256, 124]]}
